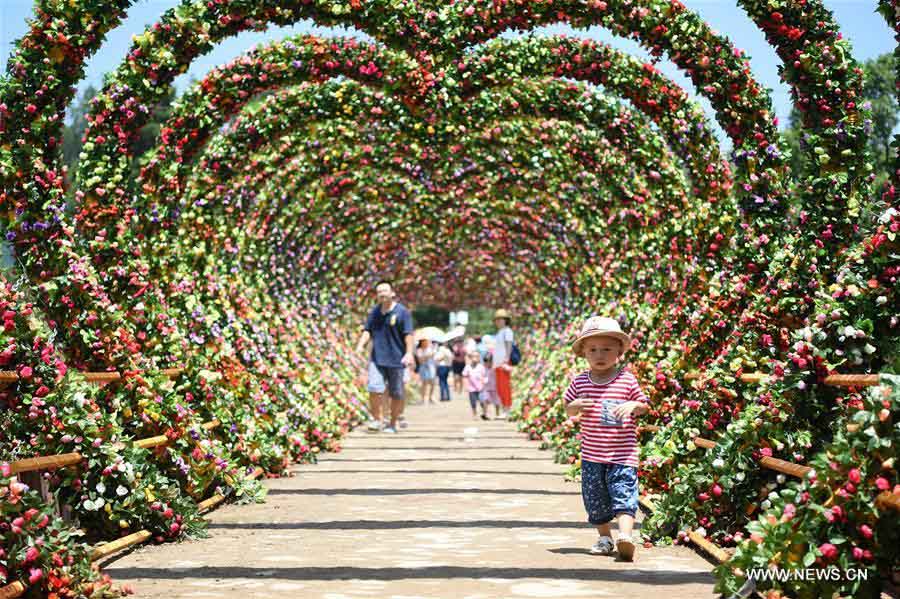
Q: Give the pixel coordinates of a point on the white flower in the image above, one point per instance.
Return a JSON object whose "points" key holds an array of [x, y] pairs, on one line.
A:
{"points": [[79, 399], [849, 331], [88, 505], [718, 463], [780, 478], [101, 488], [869, 349], [881, 300], [121, 491], [701, 531], [740, 476], [766, 504]]}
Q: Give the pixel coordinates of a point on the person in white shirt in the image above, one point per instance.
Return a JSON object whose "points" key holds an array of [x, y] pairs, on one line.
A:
{"points": [[502, 351]]}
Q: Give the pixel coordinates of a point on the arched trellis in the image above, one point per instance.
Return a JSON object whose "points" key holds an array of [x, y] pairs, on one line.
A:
{"points": [[259, 134], [804, 38]]}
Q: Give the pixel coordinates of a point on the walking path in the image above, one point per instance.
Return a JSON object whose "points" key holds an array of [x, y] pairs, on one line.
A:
{"points": [[449, 508]]}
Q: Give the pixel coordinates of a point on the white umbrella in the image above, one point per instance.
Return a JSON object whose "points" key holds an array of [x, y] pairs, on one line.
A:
{"points": [[431, 333], [454, 333]]}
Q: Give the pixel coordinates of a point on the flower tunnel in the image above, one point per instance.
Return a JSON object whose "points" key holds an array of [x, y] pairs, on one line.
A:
{"points": [[557, 175]]}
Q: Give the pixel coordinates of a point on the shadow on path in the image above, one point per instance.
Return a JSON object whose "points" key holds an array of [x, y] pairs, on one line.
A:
{"points": [[653, 577], [399, 524], [371, 491]]}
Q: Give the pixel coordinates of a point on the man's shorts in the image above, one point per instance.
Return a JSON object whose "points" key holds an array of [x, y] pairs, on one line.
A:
{"points": [[608, 490], [383, 378]]}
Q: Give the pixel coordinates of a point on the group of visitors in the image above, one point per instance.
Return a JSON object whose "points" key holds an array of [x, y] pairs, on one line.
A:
{"points": [[434, 361], [484, 374], [472, 366]]}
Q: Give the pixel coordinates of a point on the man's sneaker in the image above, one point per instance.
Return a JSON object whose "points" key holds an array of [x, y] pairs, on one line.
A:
{"points": [[625, 548], [374, 426], [402, 422], [389, 429], [603, 546]]}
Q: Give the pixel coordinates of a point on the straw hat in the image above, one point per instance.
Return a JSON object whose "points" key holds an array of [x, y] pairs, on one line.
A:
{"points": [[501, 313], [600, 326]]}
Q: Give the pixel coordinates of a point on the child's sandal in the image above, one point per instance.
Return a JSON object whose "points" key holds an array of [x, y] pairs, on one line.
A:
{"points": [[625, 549]]}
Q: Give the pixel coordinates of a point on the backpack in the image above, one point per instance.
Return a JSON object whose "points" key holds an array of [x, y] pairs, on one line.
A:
{"points": [[515, 356]]}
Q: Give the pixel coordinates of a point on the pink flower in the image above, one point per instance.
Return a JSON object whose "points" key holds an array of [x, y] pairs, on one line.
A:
{"points": [[716, 490], [6, 471], [25, 372], [866, 531], [789, 511], [882, 483], [857, 553], [828, 551], [35, 575], [31, 554], [766, 451], [854, 476], [470, 10]]}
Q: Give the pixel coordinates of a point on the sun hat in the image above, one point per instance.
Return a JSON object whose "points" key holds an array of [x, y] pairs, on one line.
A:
{"points": [[600, 326], [501, 313]]}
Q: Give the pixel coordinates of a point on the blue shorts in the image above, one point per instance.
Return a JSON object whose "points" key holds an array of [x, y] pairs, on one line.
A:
{"points": [[382, 378], [608, 490]]}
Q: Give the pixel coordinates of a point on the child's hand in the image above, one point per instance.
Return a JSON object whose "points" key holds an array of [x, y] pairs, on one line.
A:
{"points": [[582, 403], [626, 409]]}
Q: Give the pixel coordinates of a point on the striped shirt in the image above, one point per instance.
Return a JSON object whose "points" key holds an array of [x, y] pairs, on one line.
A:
{"points": [[604, 438]]}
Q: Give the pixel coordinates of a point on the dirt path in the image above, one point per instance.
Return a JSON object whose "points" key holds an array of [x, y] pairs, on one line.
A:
{"points": [[449, 508]]}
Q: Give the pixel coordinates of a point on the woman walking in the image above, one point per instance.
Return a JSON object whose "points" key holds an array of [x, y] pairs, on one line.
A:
{"points": [[502, 351], [427, 369], [443, 359], [458, 365]]}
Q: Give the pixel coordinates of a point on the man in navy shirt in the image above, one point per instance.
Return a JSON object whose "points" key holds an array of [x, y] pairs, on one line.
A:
{"points": [[390, 327]]}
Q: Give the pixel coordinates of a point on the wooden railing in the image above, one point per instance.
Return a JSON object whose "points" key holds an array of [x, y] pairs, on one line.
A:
{"points": [[10, 376], [886, 500], [833, 380]]}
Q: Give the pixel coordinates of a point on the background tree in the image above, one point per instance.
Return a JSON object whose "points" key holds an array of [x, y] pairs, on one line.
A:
{"points": [[74, 131], [878, 89]]}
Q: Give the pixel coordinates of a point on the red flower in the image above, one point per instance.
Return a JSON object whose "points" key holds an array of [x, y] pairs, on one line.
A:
{"points": [[828, 551], [854, 476]]}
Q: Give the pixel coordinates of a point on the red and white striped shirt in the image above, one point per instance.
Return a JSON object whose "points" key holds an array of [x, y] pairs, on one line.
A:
{"points": [[604, 438]]}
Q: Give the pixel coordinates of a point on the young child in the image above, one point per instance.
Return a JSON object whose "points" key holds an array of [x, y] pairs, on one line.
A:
{"points": [[489, 395], [607, 397], [475, 376]]}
